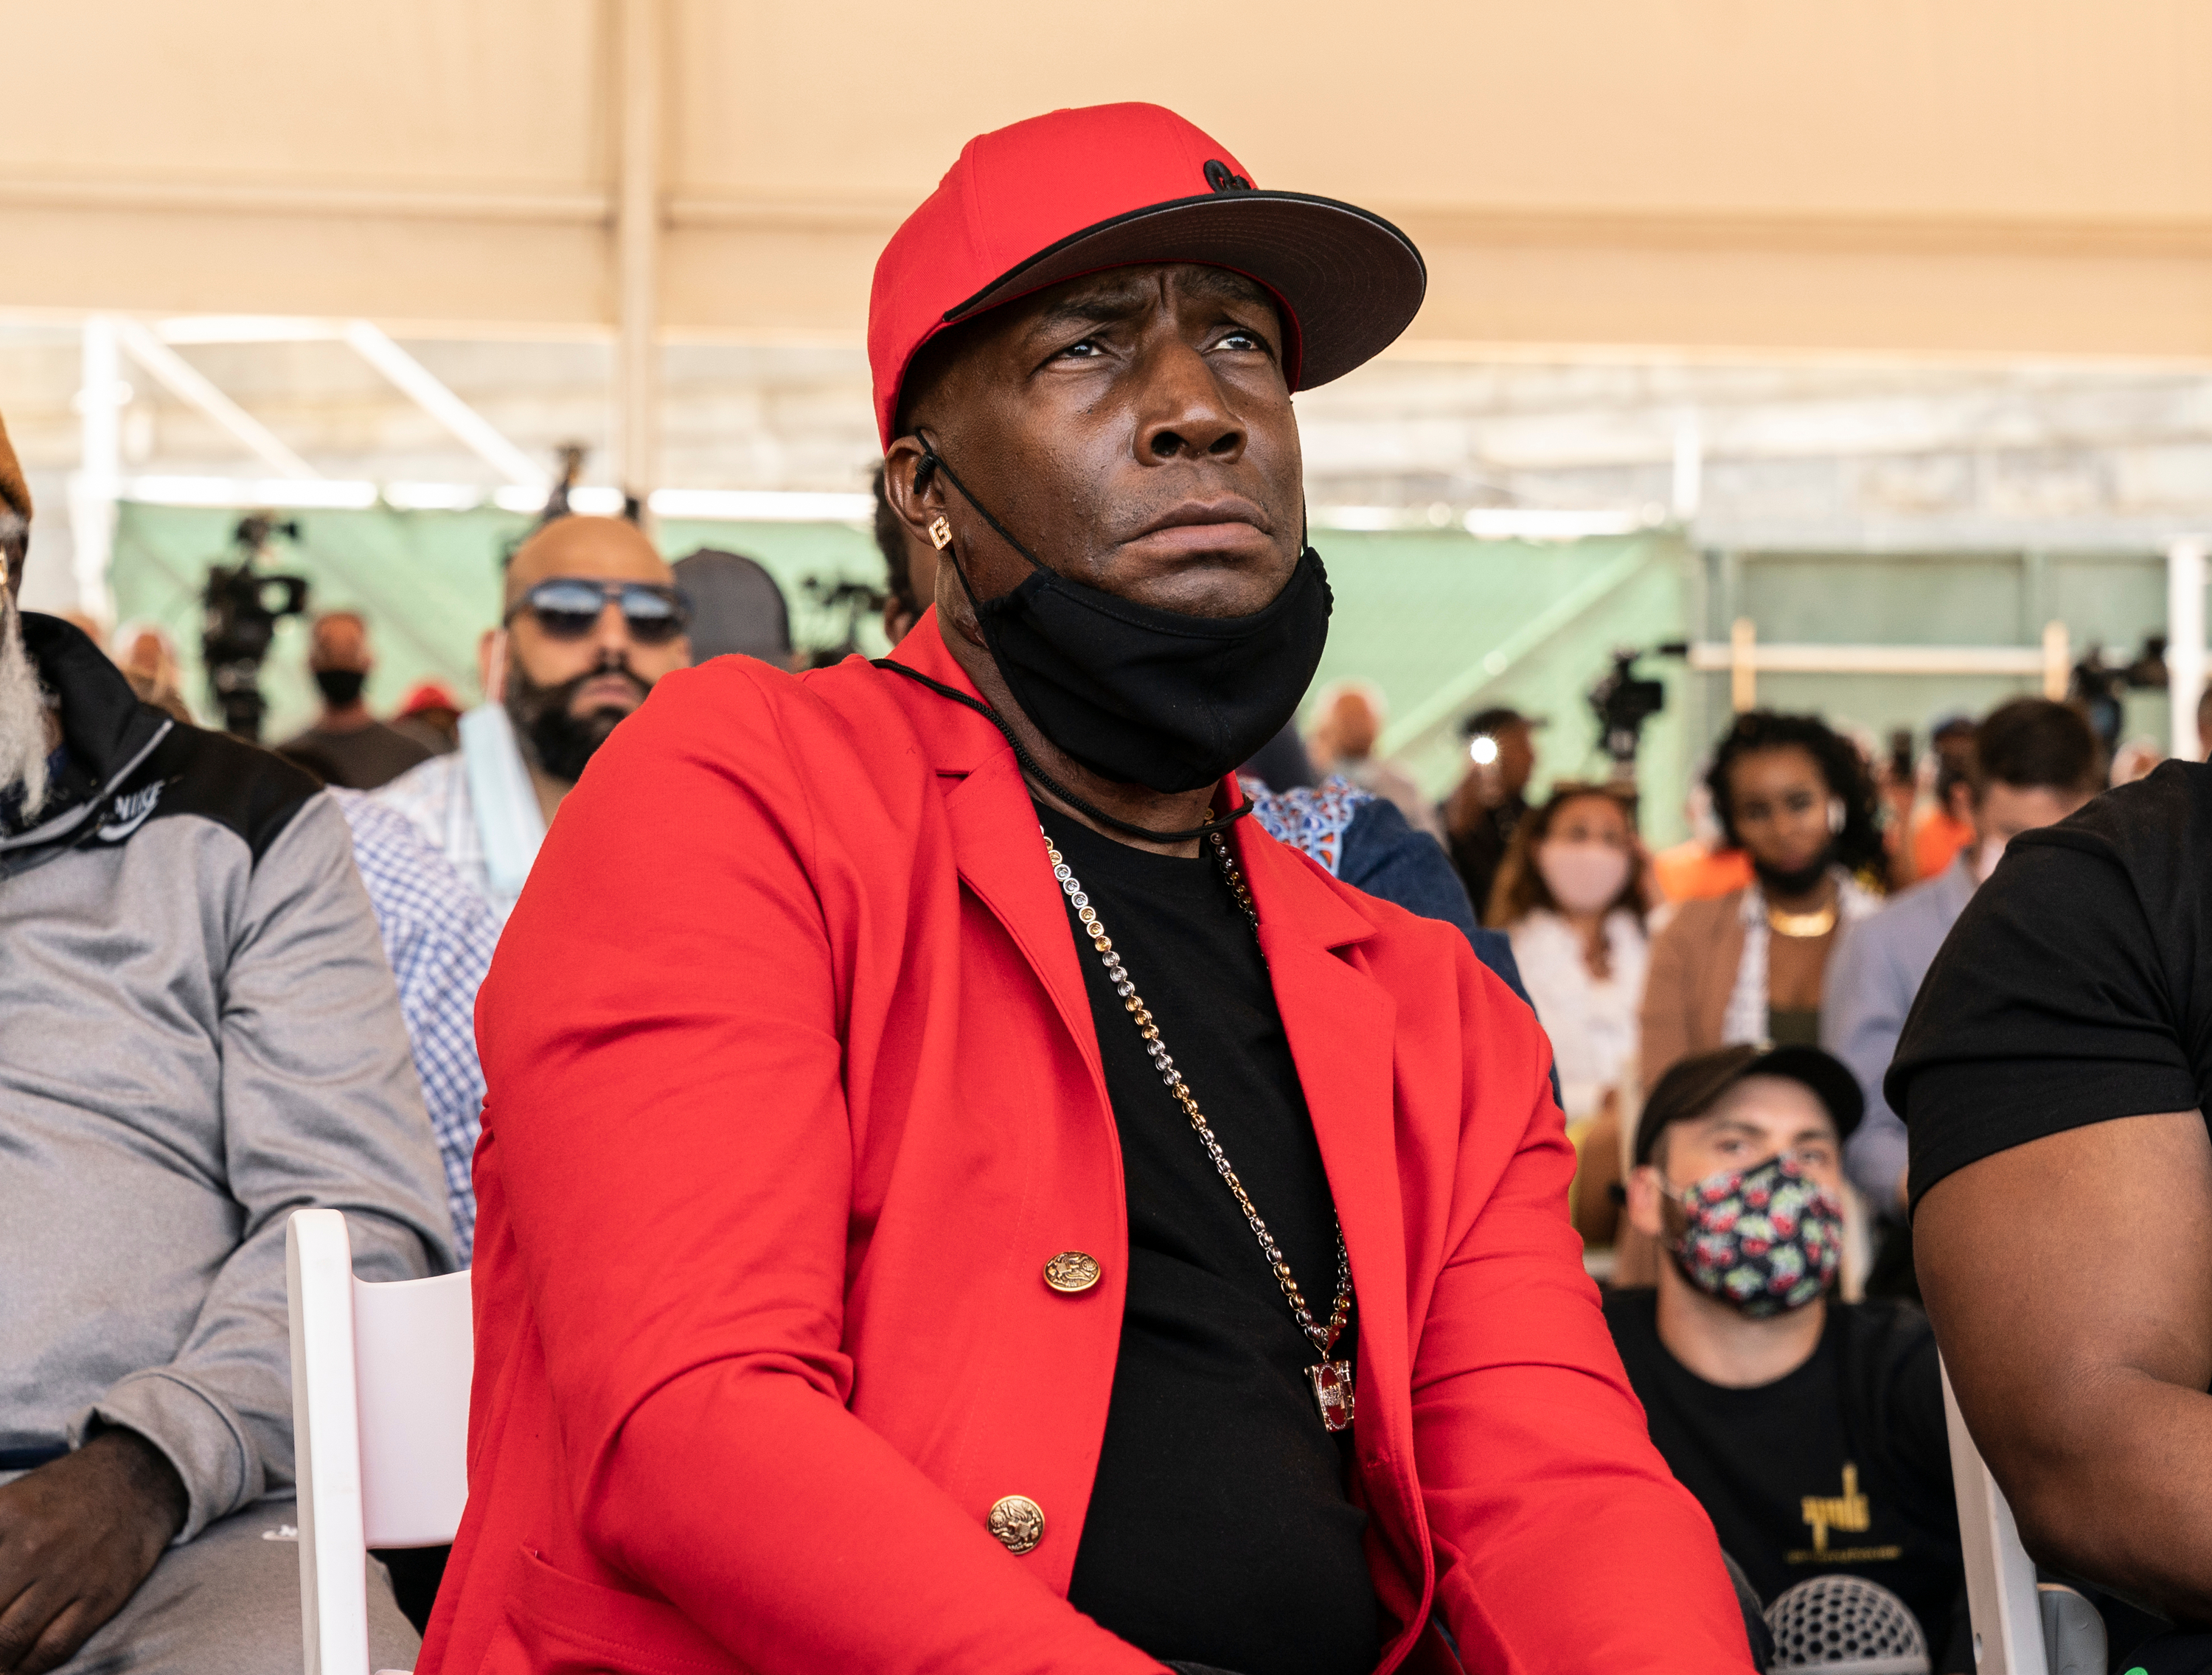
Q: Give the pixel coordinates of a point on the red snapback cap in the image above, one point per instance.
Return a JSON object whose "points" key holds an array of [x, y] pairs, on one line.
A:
{"points": [[1109, 185], [429, 694]]}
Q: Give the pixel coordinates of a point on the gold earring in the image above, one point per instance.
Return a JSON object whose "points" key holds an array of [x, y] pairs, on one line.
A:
{"points": [[940, 534]]}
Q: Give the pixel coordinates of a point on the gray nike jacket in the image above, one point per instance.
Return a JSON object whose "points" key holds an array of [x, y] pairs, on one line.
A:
{"points": [[199, 1035]]}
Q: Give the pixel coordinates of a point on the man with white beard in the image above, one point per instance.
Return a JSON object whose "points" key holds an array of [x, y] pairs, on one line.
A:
{"points": [[198, 1035]]}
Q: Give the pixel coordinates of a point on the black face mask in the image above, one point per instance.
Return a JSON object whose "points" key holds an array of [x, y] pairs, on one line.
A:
{"points": [[1142, 695], [341, 688], [1802, 882]]}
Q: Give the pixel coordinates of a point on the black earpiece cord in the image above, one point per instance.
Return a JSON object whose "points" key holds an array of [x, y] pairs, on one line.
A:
{"points": [[932, 462], [1029, 766]]}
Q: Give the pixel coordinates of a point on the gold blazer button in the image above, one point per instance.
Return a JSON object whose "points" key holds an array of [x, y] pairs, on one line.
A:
{"points": [[1018, 1523], [1071, 1270]]}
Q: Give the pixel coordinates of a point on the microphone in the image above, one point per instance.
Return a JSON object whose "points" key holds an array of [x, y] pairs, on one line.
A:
{"points": [[1845, 1625]]}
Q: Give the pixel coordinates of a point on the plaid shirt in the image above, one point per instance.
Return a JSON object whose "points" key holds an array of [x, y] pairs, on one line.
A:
{"points": [[438, 936], [434, 796]]}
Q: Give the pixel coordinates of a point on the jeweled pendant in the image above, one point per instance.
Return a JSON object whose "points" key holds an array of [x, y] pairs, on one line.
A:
{"points": [[1332, 1388]]}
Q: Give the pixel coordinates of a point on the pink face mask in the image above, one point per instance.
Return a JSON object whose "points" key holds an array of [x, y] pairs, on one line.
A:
{"points": [[1583, 878]]}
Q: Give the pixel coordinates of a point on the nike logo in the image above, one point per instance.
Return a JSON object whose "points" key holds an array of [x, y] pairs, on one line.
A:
{"points": [[129, 813]]}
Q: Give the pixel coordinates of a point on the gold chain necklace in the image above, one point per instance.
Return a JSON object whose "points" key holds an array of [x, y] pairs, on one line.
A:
{"points": [[1331, 1380]]}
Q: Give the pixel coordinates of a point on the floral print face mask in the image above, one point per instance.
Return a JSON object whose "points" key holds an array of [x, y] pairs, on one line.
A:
{"points": [[1765, 1239]]}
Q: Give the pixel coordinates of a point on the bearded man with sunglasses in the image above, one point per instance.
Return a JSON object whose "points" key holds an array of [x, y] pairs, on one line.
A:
{"points": [[593, 618], [882, 1266]]}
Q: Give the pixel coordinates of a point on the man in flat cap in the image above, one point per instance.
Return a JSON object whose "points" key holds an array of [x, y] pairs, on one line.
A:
{"points": [[198, 1035], [956, 1196]]}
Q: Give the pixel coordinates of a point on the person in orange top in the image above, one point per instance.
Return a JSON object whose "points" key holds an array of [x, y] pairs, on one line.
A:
{"points": [[954, 1196], [1695, 872], [1704, 864], [1940, 830]]}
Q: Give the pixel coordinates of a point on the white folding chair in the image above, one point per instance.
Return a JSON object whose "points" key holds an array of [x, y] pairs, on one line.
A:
{"points": [[2021, 1627], [379, 1422]]}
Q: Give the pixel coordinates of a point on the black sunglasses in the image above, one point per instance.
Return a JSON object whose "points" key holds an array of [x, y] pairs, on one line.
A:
{"points": [[568, 607]]}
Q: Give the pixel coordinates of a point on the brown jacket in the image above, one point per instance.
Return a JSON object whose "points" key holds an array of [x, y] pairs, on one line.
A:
{"points": [[1693, 973]]}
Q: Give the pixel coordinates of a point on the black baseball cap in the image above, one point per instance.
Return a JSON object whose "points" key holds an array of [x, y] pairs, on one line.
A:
{"points": [[1490, 720], [1693, 1086]]}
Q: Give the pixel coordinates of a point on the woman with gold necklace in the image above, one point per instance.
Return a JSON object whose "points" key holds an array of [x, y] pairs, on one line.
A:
{"points": [[1750, 966]]}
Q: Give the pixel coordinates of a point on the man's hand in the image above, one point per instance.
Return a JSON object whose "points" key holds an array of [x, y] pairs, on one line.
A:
{"points": [[76, 1538]]}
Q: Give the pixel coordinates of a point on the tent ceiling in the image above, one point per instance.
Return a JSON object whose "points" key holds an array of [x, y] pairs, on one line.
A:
{"points": [[1988, 177]]}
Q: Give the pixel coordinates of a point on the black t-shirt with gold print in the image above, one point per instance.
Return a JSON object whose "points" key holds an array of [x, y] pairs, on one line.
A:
{"points": [[1841, 1465]]}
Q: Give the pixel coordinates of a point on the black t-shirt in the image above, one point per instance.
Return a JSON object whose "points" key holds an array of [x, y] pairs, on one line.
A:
{"points": [[1479, 850], [2075, 988], [1219, 1529], [360, 759], [1841, 1465]]}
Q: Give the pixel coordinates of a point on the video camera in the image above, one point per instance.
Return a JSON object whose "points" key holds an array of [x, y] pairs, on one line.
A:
{"points": [[240, 608], [855, 598], [1624, 700], [2101, 689]]}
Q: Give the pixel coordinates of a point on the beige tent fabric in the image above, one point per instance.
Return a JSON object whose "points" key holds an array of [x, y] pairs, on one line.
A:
{"points": [[1818, 176]]}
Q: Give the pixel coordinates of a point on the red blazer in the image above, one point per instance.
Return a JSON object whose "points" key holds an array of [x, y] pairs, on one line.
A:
{"points": [[794, 1091]]}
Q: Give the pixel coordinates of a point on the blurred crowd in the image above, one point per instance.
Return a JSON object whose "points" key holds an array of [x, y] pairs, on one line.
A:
{"points": [[1721, 1010]]}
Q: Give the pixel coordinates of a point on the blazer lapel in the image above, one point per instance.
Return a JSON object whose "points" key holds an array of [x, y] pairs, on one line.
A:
{"points": [[1002, 857], [996, 847], [1341, 1025]]}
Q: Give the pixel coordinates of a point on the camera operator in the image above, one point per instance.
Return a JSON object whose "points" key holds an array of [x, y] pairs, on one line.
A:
{"points": [[348, 746], [592, 619], [1487, 804], [198, 1035]]}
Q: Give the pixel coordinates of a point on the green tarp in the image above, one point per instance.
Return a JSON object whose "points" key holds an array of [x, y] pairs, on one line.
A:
{"points": [[1418, 614]]}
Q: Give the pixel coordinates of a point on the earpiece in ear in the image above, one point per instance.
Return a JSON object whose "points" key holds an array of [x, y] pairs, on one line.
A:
{"points": [[1835, 816], [940, 536]]}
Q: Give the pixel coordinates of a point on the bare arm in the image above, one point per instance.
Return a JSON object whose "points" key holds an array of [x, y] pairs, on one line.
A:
{"points": [[2070, 1283]]}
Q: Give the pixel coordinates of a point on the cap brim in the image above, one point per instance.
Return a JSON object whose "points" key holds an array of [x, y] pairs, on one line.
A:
{"points": [[1353, 280]]}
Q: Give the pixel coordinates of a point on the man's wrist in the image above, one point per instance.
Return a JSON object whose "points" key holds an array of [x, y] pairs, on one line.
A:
{"points": [[147, 1473]]}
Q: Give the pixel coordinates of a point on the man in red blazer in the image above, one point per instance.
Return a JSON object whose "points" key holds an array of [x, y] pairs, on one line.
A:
{"points": [[954, 1197]]}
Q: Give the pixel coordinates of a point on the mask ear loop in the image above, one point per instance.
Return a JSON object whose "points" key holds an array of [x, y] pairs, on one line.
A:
{"points": [[932, 462]]}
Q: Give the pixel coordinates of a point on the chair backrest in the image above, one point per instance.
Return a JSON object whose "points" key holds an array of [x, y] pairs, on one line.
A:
{"points": [[2000, 1593], [379, 1416]]}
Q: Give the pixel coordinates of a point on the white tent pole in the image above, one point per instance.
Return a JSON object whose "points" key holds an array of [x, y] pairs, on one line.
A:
{"points": [[93, 487], [187, 382], [2184, 642], [371, 344], [637, 248], [1689, 470]]}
